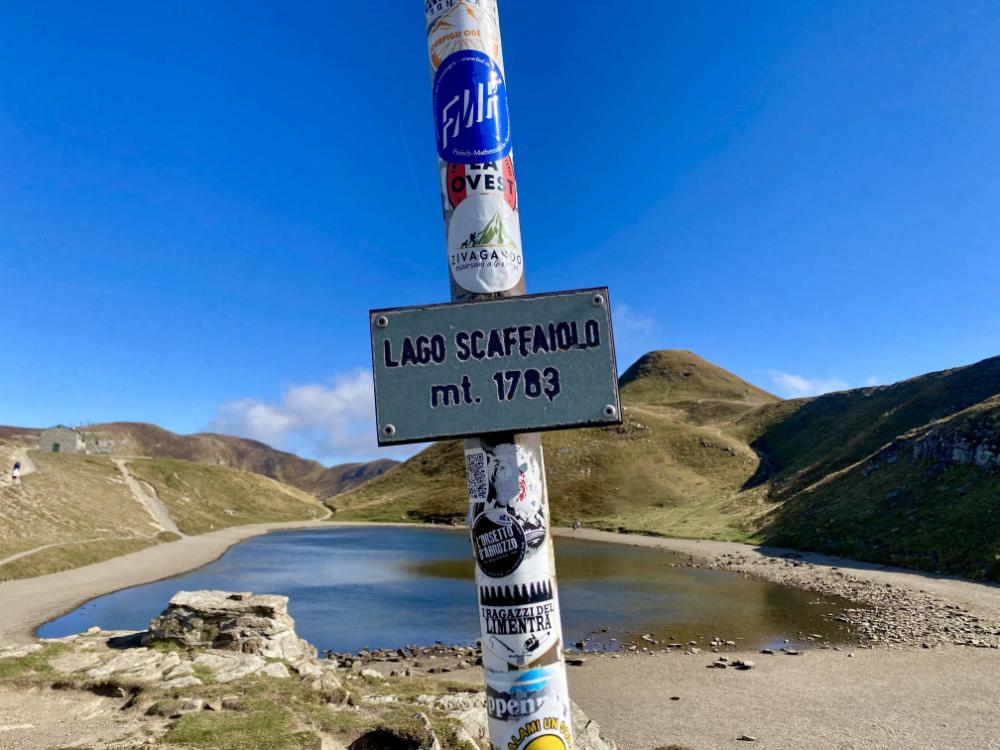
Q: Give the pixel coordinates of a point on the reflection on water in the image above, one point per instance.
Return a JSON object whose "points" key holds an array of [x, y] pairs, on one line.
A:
{"points": [[386, 587]]}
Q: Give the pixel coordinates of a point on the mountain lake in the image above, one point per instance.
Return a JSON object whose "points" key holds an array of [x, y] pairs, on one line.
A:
{"points": [[357, 587]]}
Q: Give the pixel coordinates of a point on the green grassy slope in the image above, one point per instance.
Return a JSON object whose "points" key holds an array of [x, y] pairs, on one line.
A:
{"points": [[929, 499], [676, 375], [825, 434], [671, 466], [201, 498], [77, 509], [704, 454]]}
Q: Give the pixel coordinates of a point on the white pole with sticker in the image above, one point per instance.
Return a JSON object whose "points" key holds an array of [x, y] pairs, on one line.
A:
{"points": [[527, 698]]}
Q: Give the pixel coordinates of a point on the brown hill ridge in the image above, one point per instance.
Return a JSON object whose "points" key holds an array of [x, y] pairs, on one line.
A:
{"points": [[143, 439], [241, 453]]}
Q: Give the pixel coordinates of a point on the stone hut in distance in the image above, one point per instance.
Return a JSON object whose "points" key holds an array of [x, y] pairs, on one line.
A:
{"points": [[61, 439]]}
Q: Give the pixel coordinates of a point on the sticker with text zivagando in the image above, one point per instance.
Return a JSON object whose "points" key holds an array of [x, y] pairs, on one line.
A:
{"points": [[484, 245], [471, 119], [520, 624]]}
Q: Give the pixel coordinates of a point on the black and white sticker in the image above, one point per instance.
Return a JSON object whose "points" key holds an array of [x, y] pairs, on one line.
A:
{"points": [[520, 624], [499, 543]]}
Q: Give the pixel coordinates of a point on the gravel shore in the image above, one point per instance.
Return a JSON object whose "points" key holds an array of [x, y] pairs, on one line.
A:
{"points": [[901, 608]]}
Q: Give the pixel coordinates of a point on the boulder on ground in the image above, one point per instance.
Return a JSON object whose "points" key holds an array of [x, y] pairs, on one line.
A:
{"points": [[227, 621]]}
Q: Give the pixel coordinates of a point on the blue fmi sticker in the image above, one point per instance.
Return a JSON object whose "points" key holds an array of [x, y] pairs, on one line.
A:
{"points": [[471, 120]]}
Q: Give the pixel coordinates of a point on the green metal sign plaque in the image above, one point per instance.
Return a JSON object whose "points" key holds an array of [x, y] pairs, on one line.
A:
{"points": [[520, 364]]}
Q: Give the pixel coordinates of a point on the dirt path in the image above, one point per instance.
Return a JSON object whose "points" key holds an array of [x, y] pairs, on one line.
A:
{"points": [[148, 499], [27, 465], [30, 602], [153, 505], [19, 455], [32, 551], [855, 699], [37, 719]]}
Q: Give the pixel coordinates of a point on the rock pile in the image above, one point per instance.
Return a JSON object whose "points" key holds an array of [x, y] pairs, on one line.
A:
{"points": [[227, 621], [411, 659]]}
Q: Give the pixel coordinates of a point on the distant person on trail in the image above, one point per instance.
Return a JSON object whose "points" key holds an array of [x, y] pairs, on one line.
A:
{"points": [[15, 474]]}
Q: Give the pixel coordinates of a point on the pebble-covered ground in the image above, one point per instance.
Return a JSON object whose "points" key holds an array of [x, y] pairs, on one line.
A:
{"points": [[895, 616]]}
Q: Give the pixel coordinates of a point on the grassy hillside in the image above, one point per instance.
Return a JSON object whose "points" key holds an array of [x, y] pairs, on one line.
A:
{"points": [[77, 509], [202, 498], [671, 466], [677, 376], [907, 473], [926, 500], [704, 454], [825, 434]]}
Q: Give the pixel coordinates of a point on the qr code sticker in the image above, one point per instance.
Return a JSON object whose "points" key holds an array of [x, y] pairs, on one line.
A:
{"points": [[475, 472]]}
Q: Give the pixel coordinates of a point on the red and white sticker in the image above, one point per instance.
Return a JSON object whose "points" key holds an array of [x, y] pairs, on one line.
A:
{"points": [[491, 178]]}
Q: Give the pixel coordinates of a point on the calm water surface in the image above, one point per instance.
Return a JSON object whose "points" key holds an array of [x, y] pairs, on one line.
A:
{"points": [[384, 587]]}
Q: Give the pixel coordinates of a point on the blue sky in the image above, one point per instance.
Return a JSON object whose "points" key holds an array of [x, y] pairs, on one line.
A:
{"points": [[200, 202]]}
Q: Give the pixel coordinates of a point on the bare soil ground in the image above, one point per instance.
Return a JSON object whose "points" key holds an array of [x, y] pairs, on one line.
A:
{"points": [[945, 699]]}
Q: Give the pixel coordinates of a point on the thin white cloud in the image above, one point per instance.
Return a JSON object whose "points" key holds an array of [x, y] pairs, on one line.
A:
{"points": [[797, 386], [872, 380], [332, 422], [627, 319], [635, 333]]}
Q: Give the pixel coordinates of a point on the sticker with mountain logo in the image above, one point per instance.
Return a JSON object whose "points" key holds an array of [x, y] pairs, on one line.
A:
{"points": [[484, 245]]}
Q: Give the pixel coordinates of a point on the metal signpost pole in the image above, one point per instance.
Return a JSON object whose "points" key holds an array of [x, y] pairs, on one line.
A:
{"points": [[526, 693]]}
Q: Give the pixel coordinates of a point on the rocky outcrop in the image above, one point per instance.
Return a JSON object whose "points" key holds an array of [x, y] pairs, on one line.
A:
{"points": [[974, 443], [226, 621], [958, 448]]}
